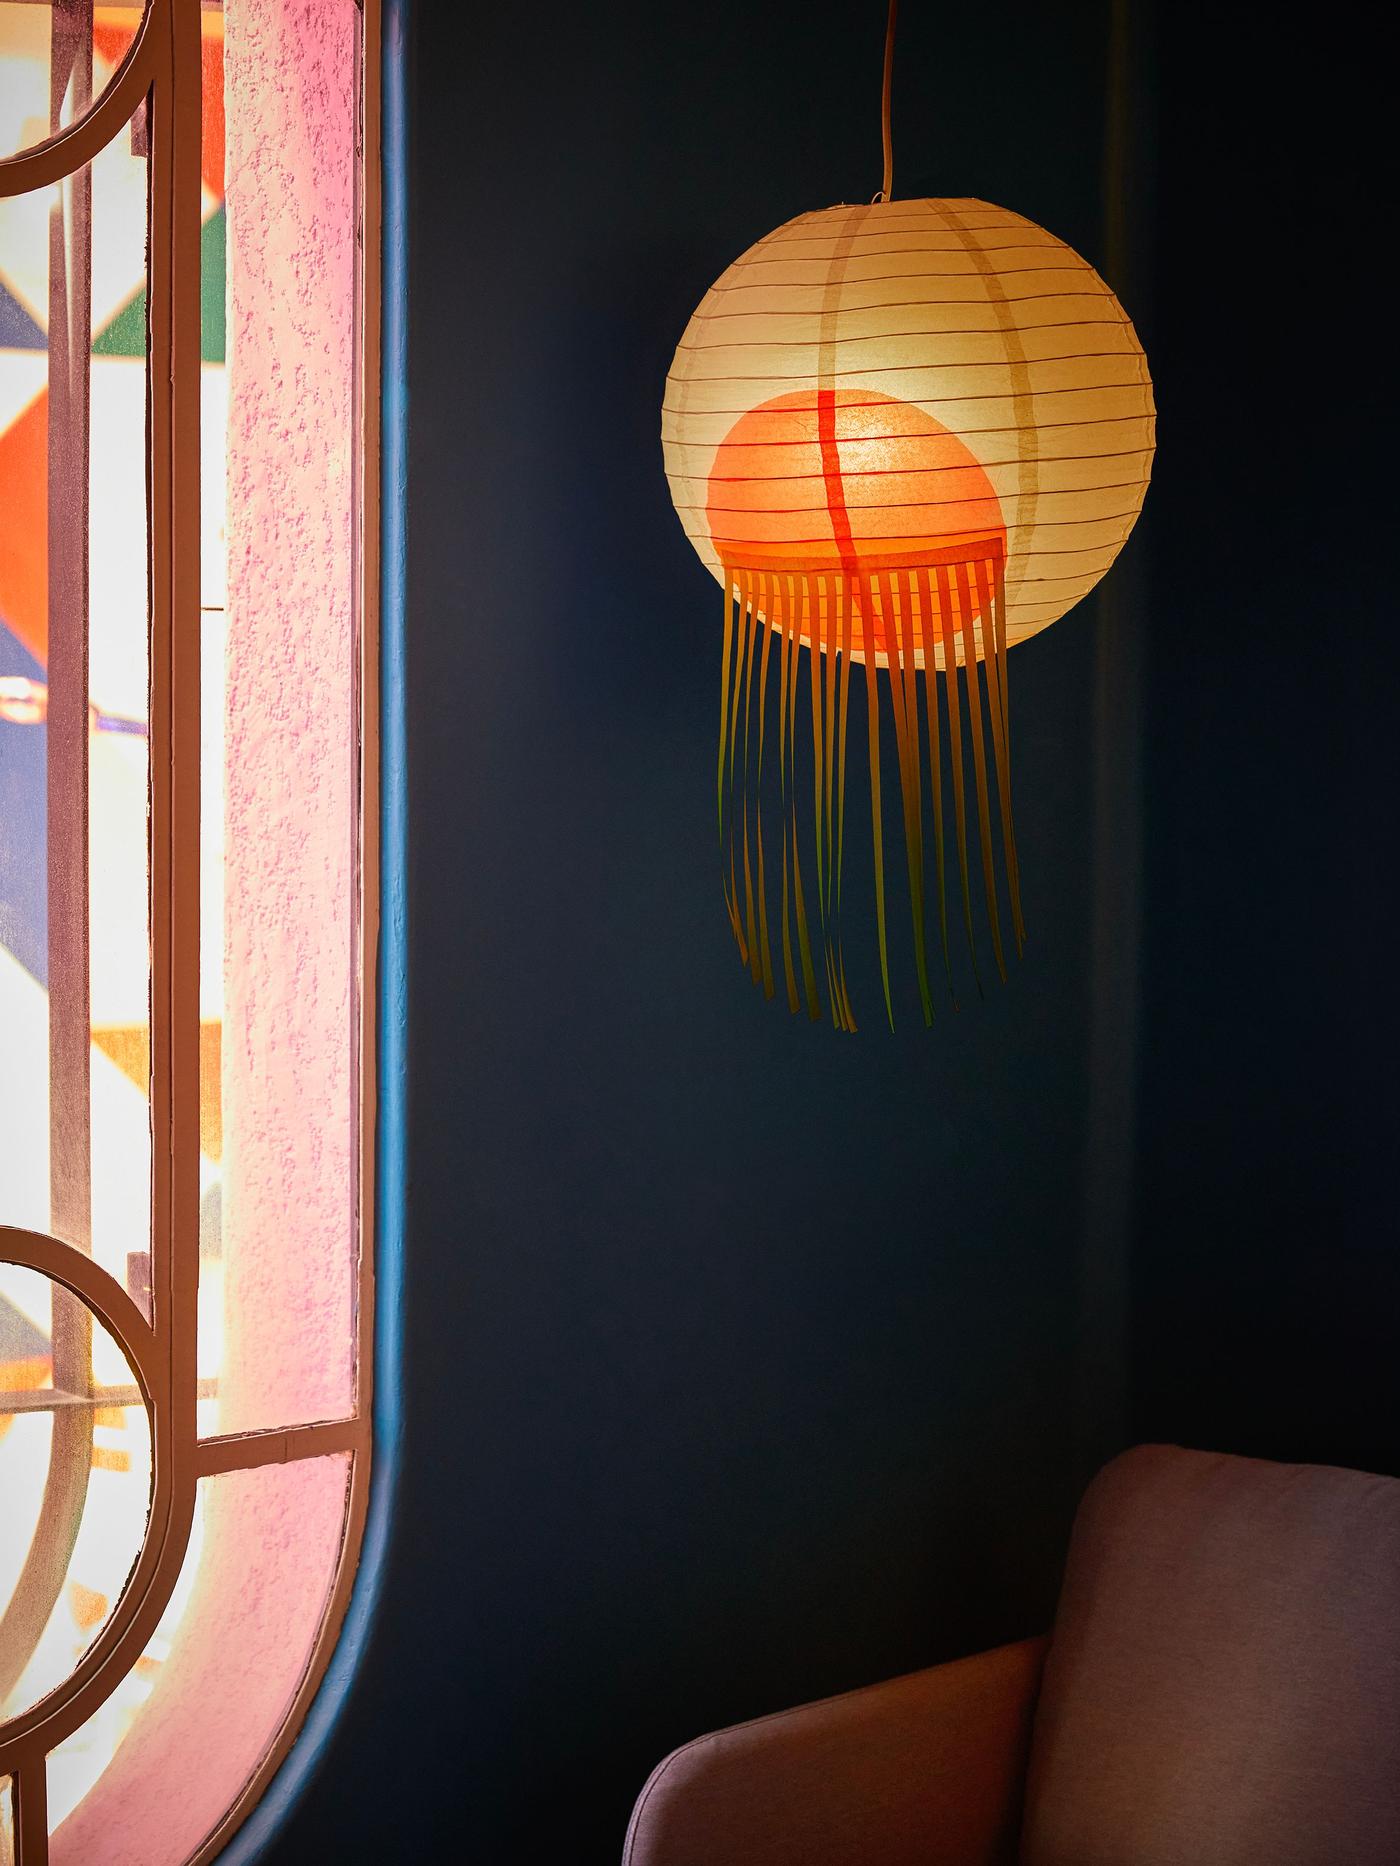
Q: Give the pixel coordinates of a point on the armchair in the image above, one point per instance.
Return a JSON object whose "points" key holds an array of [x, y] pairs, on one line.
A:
{"points": [[1221, 1688]]}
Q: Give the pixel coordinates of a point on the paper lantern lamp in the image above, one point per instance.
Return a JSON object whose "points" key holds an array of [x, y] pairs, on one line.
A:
{"points": [[905, 436]]}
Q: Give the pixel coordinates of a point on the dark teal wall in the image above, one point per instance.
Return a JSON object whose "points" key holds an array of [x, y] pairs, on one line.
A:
{"points": [[1267, 1268], [745, 1364], [742, 1360]]}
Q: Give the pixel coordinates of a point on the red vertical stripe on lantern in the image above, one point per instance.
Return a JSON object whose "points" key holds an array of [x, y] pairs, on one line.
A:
{"points": [[831, 477]]}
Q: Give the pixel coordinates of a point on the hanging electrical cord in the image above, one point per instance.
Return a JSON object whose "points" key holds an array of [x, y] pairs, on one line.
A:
{"points": [[888, 141]]}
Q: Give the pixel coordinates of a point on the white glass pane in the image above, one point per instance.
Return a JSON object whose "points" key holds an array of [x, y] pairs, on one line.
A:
{"points": [[75, 1142], [75, 1479]]}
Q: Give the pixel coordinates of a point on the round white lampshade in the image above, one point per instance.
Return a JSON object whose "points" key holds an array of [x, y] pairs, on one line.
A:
{"points": [[868, 384]]}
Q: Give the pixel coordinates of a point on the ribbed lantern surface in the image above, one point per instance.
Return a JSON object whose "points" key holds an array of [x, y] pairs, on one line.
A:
{"points": [[996, 333], [911, 435]]}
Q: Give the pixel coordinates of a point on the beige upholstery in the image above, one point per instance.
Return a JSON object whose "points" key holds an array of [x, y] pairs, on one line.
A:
{"points": [[1222, 1689]]}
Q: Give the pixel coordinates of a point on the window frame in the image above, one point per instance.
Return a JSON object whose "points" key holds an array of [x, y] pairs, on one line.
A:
{"points": [[164, 68]]}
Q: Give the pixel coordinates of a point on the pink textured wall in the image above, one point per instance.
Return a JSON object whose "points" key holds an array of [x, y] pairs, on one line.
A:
{"points": [[272, 1537], [290, 1116], [272, 1543]]}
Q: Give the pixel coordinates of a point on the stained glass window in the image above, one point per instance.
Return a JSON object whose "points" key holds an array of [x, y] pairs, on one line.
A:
{"points": [[188, 360]]}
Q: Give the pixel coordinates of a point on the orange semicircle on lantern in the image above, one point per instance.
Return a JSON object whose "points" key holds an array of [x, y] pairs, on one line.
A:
{"points": [[845, 490]]}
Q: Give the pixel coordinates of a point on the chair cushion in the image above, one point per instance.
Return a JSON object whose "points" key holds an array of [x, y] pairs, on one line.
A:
{"points": [[1223, 1686]]}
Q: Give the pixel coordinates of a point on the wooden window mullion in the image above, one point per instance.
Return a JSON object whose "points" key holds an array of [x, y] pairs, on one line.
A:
{"points": [[69, 435]]}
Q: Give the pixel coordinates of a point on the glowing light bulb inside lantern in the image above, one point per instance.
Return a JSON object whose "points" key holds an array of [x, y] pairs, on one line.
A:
{"points": [[903, 437]]}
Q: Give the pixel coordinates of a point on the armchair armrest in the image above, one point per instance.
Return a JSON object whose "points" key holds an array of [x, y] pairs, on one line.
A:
{"points": [[926, 1770]]}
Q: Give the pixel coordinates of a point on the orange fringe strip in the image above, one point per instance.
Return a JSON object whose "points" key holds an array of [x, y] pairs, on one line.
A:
{"points": [[914, 613]]}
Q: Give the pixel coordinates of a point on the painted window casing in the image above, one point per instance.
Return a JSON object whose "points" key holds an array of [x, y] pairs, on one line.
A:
{"points": [[259, 1452]]}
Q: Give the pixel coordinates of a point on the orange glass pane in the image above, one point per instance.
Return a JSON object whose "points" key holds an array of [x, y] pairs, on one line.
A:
{"points": [[26, 237], [56, 65]]}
